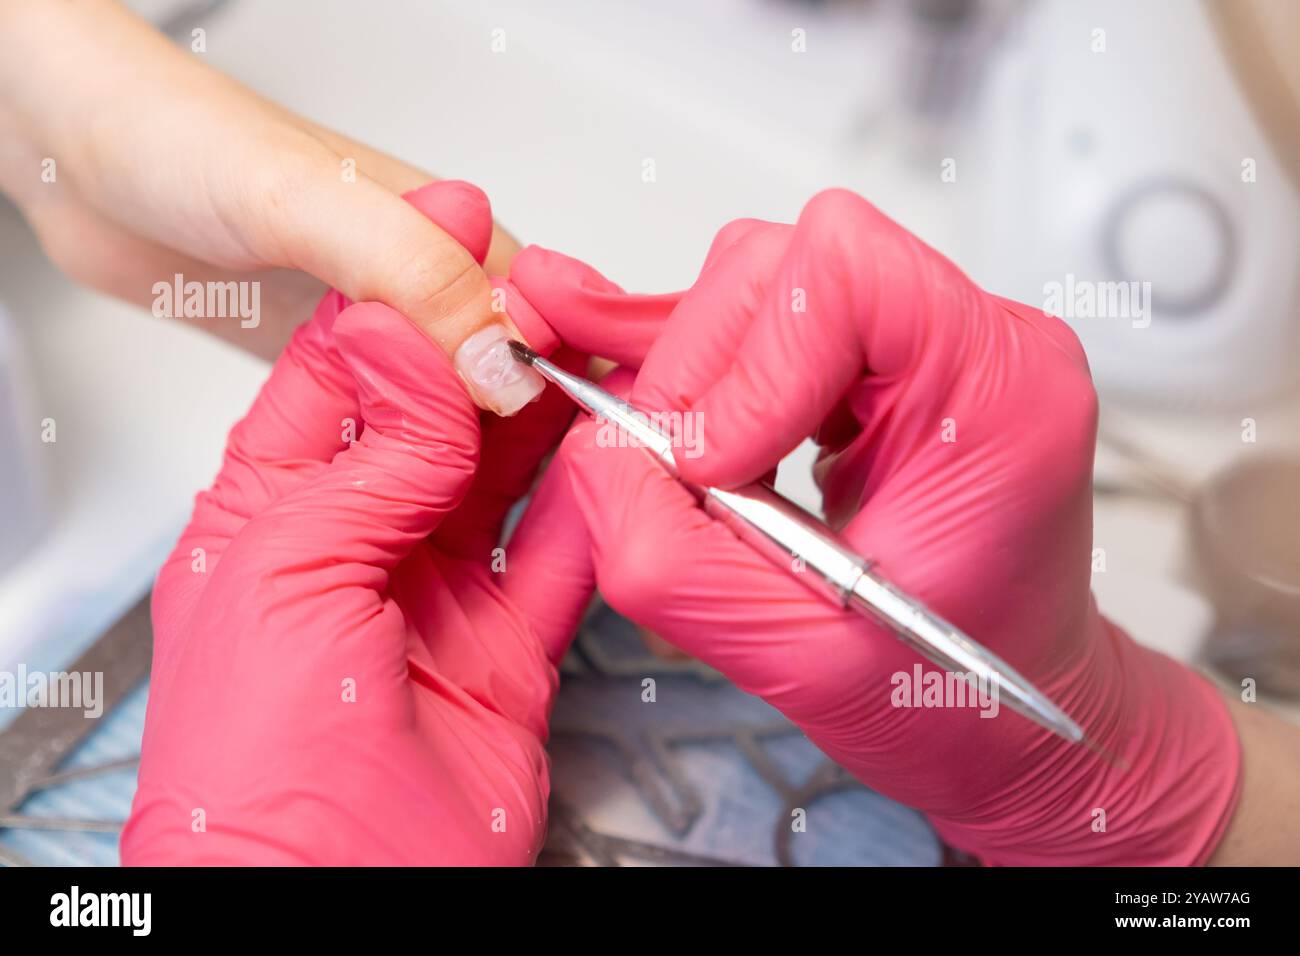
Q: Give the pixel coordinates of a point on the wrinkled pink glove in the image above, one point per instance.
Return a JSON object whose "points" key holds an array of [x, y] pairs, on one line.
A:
{"points": [[957, 433], [339, 676]]}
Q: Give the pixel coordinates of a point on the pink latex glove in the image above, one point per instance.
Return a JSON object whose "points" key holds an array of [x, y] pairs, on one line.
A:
{"points": [[957, 433], [339, 676]]}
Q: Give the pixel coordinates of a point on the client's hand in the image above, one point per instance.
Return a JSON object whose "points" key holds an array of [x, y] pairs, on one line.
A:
{"points": [[339, 676], [144, 163], [957, 434]]}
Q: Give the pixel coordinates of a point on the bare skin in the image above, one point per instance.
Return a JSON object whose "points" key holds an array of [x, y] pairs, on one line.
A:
{"points": [[164, 165], [1265, 830]]}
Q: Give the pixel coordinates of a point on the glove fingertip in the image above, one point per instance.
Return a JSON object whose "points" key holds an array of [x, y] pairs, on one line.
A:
{"points": [[538, 334], [538, 270], [458, 208]]}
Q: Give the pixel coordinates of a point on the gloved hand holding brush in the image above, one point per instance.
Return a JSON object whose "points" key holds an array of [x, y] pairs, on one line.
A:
{"points": [[957, 433]]}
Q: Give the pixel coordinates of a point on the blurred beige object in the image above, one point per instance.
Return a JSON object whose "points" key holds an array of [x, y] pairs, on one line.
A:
{"points": [[1245, 526], [1261, 39]]}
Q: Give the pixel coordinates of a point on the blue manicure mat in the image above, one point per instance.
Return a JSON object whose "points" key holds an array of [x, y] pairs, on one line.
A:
{"points": [[703, 774]]}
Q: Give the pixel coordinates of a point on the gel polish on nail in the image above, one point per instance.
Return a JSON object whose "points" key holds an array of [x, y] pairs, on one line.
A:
{"points": [[485, 362]]}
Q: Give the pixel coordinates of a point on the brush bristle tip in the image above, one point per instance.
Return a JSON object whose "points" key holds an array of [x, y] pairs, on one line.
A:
{"points": [[521, 352]]}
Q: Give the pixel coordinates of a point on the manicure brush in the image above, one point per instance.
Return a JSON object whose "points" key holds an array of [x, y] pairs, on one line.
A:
{"points": [[785, 534]]}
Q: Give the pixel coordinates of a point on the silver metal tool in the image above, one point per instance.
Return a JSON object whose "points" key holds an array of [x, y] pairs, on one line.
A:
{"points": [[781, 530]]}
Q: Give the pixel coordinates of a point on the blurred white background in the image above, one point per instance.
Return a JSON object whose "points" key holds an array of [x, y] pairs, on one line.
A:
{"points": [[1056, 148]]}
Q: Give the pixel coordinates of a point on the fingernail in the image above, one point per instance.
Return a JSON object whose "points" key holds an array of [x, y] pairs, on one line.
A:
{"points": [[502, 384]]}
